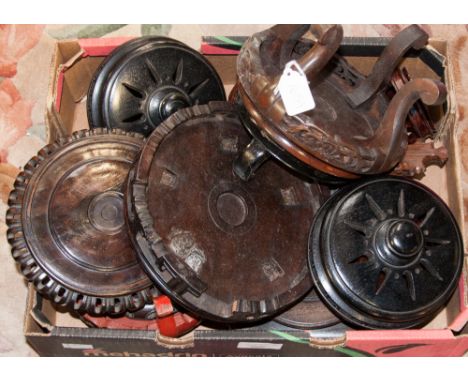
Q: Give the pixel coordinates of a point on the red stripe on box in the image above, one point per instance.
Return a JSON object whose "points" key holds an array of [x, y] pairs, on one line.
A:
{"points": [[216, 50], [412, 343], [101, 46]]}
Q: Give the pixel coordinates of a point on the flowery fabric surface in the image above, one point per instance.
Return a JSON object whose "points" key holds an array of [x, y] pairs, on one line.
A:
{"points": [[25, 55]]}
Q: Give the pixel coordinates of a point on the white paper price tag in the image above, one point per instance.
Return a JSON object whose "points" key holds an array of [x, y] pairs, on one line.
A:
{"points": [[294, 89]]}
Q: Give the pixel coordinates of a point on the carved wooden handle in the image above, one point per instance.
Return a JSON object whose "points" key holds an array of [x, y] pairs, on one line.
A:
{"points": [[410, 37], [321, 53], [390, 138]]}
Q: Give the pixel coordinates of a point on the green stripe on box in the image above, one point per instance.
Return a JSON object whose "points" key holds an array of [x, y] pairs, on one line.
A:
{"points": [[227, 40]]}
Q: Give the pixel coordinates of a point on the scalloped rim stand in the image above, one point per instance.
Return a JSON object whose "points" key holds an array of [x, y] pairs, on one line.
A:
{"points": [[32, 270]]}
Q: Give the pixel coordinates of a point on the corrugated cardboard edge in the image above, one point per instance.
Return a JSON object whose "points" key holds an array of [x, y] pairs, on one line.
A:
{"points": [[327, 342]]}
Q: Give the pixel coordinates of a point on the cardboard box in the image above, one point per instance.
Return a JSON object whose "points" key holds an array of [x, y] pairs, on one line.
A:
{"points": [[51, 332]]}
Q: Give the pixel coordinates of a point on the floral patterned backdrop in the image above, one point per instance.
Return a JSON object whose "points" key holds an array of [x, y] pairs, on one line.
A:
{"points": [[25, 54]]}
